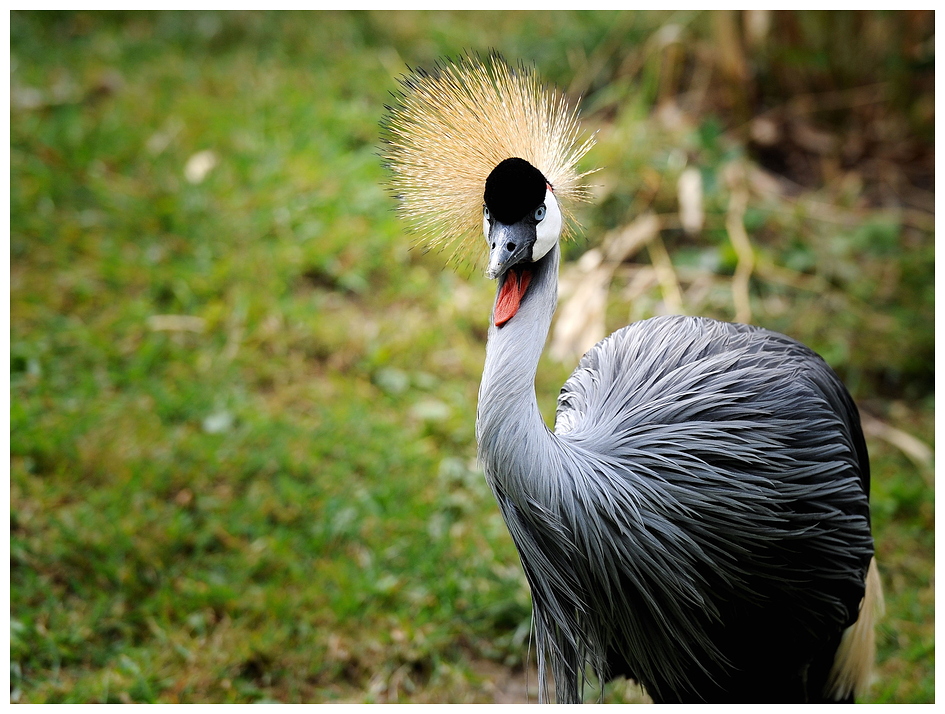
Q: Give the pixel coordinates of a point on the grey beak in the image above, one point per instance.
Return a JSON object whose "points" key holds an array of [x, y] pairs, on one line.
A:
{"points": [[510, 244]]}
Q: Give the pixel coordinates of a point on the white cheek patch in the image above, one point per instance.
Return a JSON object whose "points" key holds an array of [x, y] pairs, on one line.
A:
{"points": [[548, 230], [485, 226]]}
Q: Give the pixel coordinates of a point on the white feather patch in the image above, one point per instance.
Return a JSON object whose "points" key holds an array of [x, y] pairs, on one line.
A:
{"points": [[853, 665], [548, 230]]}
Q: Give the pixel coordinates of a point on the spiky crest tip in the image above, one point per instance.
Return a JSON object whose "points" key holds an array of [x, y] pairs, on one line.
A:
{"points": [[452, 125]]}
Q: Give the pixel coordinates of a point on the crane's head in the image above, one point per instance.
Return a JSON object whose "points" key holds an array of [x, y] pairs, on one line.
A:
{"points": [[521, 218], [522, 221], [479, 143]]}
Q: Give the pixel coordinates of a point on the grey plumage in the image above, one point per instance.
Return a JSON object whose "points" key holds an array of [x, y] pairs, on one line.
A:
{"points": [[699, 471]]}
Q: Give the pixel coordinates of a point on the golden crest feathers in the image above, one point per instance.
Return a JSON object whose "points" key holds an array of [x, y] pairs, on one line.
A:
{"points": [[453, 125]]}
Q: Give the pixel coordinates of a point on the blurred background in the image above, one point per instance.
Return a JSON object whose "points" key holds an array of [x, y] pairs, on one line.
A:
{"points": [[242, 408]]}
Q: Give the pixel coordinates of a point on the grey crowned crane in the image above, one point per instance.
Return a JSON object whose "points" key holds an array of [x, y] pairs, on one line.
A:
{"points": [[698, 520]]}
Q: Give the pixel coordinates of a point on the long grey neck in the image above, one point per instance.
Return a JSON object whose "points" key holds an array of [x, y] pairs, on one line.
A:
{"points": [[509, 427]]}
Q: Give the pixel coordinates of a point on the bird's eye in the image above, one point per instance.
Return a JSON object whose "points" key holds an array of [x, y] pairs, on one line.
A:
{"points": [[485, 213], [540, 212]]}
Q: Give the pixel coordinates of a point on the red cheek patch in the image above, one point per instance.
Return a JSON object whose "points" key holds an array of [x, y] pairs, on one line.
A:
{"points": [[510, 295]]}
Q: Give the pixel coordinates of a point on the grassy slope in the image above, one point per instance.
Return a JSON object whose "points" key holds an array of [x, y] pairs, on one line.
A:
{"points": [[280, 500]]}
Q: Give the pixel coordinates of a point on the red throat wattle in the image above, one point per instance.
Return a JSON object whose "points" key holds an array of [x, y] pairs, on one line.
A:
{"points": [[511, 294]]}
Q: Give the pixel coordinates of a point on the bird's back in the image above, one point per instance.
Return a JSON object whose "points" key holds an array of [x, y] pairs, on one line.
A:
{"points": [[722, 518]]}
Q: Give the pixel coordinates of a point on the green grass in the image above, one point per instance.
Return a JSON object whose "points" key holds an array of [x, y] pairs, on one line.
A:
{"points": [[278, 500]]}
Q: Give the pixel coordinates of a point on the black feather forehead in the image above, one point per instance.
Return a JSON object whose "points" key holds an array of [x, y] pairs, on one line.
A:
{"points": [[513, 189], [452, 125]]}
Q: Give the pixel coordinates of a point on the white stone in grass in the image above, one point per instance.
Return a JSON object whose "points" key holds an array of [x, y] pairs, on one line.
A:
{"points": [[218, 422], [199, 165]]}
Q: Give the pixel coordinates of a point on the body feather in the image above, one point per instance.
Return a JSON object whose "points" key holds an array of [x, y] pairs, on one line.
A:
{"points": [[698, 520]]}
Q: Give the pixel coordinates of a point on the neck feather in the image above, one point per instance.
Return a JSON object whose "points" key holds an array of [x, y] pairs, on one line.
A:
{"points": [[509, 426]]}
